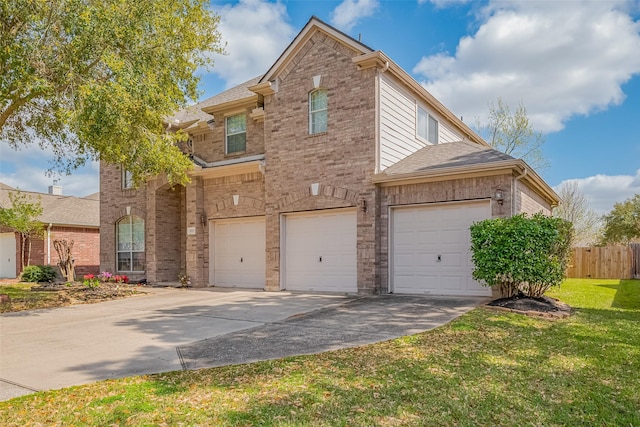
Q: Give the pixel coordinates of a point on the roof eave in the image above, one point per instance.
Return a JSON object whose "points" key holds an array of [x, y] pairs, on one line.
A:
{"points": [[231, 105], [304, 35], [519, 166], [380, 60]]}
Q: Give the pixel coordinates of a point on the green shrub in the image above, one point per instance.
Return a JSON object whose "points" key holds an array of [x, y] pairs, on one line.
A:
{"points": [[38, 273], [521, 254]]}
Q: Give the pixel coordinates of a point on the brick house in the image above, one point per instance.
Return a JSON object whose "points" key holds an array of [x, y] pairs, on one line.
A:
{"points": [[63, 217], [333, 171]]}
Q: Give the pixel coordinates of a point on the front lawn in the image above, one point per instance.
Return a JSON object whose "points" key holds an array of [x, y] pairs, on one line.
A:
{"points": [[485, 368], [23, 298]]}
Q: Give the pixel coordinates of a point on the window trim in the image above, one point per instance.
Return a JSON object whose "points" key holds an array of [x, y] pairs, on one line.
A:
{"points": [[130, 251], [127, 179], [429, 117], [227, 134], [312, 112]]}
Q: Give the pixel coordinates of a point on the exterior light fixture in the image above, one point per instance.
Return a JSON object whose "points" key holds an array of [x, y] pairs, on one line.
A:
{"points": [[499, 197], [211, 123]]}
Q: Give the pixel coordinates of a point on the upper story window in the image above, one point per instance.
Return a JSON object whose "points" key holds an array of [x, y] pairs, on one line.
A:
{"points": [[427, 126], [236, 133], [130, 244], [127, 179], [318, 111]]}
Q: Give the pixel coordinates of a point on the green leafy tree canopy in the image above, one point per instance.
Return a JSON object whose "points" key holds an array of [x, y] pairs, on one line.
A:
{"points": [[96, 79], [520, 253], [22, 217], [513, 134], [622, 224]]}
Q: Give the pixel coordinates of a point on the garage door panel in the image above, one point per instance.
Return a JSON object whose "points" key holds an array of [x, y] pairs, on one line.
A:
{"points": [[239, 253], [320, 252], [429, 231]]}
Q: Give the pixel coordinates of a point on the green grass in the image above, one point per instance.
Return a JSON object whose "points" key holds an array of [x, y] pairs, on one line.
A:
{"points": [[22, 298], [485, 368]]}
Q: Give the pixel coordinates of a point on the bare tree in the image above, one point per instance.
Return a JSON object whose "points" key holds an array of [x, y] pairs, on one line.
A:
{"points": [[66, 264], [574, 207], [513, 134]]}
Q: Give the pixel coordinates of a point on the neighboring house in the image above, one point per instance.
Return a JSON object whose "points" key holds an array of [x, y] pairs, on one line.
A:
{"points": [[64, 218], [334, 171]]}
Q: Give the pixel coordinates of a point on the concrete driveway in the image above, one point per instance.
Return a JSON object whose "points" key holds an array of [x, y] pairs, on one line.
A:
{"points": [[173, 329]]}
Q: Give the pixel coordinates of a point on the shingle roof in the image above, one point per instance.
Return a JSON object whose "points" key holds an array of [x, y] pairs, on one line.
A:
{"points": [[194, 112], [451, 154], [60, 209]]}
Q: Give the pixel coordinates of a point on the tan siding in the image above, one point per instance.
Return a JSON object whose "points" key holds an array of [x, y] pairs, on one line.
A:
{"points": [[398, 124]]}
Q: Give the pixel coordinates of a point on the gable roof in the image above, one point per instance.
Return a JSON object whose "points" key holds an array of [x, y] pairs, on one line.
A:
{"points": [[452, 154], [59, 209], [461, 159], [194, 114], [314, 24]]}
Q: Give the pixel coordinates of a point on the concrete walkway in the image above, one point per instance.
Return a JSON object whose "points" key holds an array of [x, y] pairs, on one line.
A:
{"points": [[172, 329]]}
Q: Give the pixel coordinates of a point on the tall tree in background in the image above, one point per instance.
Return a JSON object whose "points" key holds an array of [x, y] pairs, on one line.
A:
{"points": [[513, 134], [574, 207], [622, 224], [22, 217], [97, 78]]}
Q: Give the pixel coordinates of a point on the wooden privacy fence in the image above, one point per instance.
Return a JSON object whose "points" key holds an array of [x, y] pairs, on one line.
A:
{"points": [[606, 262]]}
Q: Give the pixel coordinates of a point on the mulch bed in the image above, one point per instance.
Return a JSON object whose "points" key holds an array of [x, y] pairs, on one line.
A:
{"points": [[76, 293], [539, 307], [80, 293]]}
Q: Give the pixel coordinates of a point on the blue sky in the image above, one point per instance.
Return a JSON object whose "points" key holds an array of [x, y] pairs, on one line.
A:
{"points": [[575, 66]]}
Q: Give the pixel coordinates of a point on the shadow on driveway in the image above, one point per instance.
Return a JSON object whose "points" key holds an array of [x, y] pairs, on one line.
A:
{"points": [[357, 322]]}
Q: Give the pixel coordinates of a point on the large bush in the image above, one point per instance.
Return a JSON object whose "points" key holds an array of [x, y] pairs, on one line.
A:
{"points": [[521, 254], [38, 273]]}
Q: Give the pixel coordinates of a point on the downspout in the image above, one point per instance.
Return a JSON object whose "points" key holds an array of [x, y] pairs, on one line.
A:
{"points": [[514, 190], [49, 244]]}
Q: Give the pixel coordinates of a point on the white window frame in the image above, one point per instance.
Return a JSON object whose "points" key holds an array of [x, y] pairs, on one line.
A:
{"points": [[127, 179], [227, 134], [432, 126], [313, 113], [130, 250]]}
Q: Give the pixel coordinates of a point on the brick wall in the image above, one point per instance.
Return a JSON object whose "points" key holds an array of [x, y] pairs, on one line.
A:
{"points": [[85, 252], [529, 202], [113, 206], [210, 144], [341, 160]]}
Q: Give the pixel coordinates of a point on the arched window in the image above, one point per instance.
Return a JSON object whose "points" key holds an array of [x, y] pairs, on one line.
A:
{"points": [[318, 111], [130, 244]]}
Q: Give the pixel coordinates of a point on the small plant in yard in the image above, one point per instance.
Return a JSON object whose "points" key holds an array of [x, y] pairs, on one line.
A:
{"points": [[120, 279], [184, 279], [91, 281], [38, 273], [107, 277]]}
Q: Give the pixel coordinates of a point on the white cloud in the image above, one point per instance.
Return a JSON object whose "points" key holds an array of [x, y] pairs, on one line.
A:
{"points": [[347, 13], [256, 33], [26, 169], [603, 191], [444, 3], [558, 58]]}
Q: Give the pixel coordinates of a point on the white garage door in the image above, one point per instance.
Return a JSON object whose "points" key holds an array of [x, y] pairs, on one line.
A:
{"points": [[430, 249], [320, 252], [7, 255], [238, 258]]}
